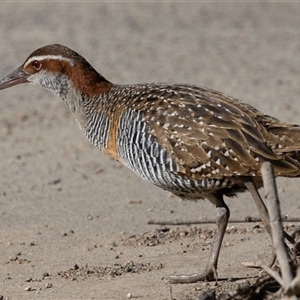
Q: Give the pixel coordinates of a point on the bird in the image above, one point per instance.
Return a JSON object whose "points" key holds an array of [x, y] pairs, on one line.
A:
{"points": [[195, 142]]}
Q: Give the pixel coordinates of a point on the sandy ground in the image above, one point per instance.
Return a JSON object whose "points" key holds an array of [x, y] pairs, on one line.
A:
{"points": [[73, 222]]}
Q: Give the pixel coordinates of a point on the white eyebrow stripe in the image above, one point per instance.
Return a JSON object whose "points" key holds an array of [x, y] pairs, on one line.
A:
{"points": [[45, 57]]}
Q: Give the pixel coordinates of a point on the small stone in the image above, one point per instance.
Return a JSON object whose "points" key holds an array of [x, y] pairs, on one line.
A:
{"points": [[256, 230], [227, 244], [48, 285], [28, 288], [129, 296], [13, 258], [247, 282], [56, 181]]}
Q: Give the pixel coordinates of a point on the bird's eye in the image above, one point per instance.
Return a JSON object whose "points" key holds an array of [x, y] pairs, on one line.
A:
{"points": [[36, 64]]}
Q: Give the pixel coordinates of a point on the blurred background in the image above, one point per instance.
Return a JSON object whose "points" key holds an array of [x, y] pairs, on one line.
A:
{"points": [[53, 181]]}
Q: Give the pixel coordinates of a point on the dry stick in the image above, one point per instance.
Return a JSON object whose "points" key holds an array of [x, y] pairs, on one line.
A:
{"points": [[170, 292], [271, 272], [273, 206], [201, 222]]}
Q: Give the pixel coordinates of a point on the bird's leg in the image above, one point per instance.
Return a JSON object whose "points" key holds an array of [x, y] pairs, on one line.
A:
{"points": [[263, 212], [260, 205], [210, 271]]}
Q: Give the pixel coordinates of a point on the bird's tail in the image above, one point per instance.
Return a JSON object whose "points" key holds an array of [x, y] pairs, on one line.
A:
{"points": [[288, 143]]}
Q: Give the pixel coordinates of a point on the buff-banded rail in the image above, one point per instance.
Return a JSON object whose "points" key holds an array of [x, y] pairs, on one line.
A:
{"points": [[194, 142]]}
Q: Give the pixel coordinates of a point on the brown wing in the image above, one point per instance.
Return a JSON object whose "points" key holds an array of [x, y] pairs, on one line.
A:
{"points": [[210, 134]]}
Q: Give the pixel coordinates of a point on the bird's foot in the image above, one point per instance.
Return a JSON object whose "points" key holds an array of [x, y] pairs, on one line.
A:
{"points": [[208, 275]]}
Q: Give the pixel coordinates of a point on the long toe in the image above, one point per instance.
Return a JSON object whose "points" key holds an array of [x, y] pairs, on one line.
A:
{"points": [[207, 275]]}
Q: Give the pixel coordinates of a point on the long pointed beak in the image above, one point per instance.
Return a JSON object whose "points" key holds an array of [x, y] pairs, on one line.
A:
{"points": [[16, 77]]}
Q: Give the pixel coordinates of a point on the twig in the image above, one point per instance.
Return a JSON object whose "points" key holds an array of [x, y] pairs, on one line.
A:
{"points": [[273, 206], [271, 272], [248, 219], [170, 292], [294, 287]]}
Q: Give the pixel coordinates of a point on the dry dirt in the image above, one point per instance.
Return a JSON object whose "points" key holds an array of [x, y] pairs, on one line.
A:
{"points": [[73, 222]]}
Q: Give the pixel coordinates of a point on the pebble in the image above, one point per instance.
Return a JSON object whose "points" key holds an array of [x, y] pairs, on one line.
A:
{"points": [[247, 282], [48, 285], [256, 230], [28, 288], [129, 296]]}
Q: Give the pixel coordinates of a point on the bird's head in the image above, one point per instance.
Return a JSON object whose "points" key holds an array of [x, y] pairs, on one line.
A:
{"points": [[58, 69]]}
